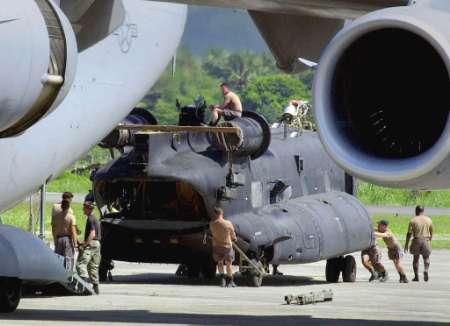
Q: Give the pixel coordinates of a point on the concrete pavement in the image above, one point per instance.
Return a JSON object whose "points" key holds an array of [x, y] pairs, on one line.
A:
{"points": [[151, 294]]}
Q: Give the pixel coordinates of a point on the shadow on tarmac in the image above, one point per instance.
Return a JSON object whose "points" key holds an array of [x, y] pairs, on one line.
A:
{"points": [[171, 279], [143, 316]]}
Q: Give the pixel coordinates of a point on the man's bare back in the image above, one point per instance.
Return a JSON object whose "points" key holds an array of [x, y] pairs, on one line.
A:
{"points": [[230, 108], [231, 102]]}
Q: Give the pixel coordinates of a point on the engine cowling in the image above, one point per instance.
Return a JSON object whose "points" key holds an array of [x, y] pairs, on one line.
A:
{"points": [[38, 62], [382, 97]]}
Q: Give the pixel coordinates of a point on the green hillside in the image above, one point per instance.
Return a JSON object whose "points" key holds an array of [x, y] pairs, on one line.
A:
{"points": [[229, 29]]}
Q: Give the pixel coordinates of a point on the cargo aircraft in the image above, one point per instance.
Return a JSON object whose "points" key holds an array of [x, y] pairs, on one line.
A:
{"points": [[72, 69]]}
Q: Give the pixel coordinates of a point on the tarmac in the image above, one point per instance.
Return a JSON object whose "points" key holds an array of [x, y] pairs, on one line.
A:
{"points": [[150, 294]]}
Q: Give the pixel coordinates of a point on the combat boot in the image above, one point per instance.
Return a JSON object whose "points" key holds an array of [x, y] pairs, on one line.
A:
{"points": [[374, 276], [425, 276], [416, 275], [96, 289], [383, 277], [223, 281]]}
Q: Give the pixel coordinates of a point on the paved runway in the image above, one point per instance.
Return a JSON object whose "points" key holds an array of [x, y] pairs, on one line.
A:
{"points": [[151, 294]]}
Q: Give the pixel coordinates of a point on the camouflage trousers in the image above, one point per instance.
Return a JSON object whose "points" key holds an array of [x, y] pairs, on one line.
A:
{"points": [[89, 261]]}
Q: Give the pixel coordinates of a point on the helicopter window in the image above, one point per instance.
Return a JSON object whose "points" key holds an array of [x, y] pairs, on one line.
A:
{"points": [[280, 192]]}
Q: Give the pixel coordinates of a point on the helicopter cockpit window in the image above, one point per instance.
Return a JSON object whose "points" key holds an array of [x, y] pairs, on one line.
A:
{"points": [[117, 197]]}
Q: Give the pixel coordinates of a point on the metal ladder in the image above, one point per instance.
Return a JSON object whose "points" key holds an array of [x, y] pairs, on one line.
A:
{"points": [[252, 265]]}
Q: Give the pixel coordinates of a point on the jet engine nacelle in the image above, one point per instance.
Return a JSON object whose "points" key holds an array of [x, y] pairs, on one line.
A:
{"points": [[38, 62], [382, 96]]}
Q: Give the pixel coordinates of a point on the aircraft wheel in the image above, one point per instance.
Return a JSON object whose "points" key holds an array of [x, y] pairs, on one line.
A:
{"points": [[193, 271], [349, 269], [254, 280], [10, 293], [209, 270], [182, 270], [333, 270], [104, 274]]}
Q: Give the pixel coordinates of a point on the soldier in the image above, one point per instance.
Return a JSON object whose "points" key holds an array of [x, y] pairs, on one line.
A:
{"points": [[371, 260], [64, 230], [223, 235], [89, 258], [57, 207], [230, 108], [395, 252], [421, 229]]}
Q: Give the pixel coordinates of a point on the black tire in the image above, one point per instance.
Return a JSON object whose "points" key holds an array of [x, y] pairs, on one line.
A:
{"points": [[103, 269], [181, 270], [209, 270], [10, 294], [102, 273], [349, 269], [193, 271], [333, 270], [254, 280]]}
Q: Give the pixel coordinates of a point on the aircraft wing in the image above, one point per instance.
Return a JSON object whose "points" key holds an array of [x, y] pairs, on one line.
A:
{"points": [[336, 9], [296, 29], [93, 20]]}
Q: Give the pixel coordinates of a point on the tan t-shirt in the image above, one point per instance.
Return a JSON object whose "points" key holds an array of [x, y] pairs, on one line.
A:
{"points": [[232, 102], [223, 233], [420, 227], [62, 221]]}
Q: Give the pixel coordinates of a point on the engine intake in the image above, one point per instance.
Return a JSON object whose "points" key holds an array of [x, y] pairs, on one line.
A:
{"points": [[38, 62], [254, 137], [119, 138], [382, 97]]}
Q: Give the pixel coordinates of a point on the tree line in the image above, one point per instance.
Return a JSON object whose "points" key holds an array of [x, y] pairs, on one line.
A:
{"points": [[253, 76]]}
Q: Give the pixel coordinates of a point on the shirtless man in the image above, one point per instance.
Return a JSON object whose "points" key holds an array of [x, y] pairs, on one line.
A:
{"points": [[64, 230], [230, 108], [223, 235], [66, 196], [395, 252], [421, 229], [371, 260]]}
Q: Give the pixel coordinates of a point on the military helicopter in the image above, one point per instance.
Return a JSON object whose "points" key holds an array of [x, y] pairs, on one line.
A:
{"points": [[289, 202]]}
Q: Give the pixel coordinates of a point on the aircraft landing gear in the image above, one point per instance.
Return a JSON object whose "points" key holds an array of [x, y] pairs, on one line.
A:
{"points": [[349, 269], [207, 269], [104, 270], [193, 271], [251, 269], [252, 275], [337, 265], [10, 293]]}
